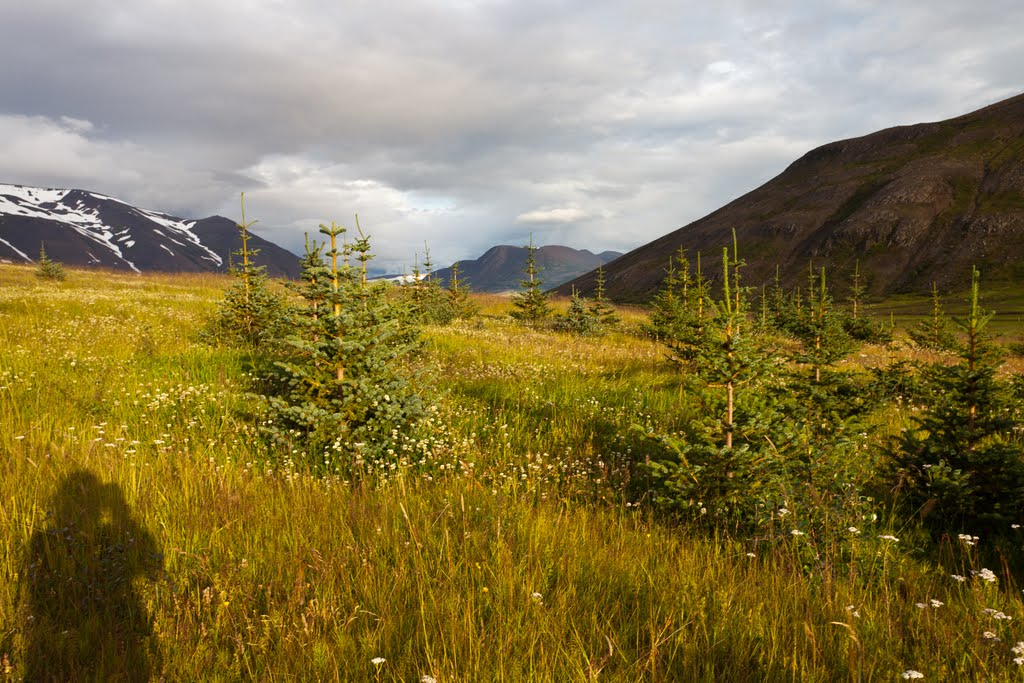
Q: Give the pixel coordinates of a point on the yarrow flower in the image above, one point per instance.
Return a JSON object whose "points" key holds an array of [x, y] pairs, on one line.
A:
{"points": [[910, 673], [889, 537], [427, 678], [967, 539], [936, 603], [377, 661], [958, 577], [853, 530], [1018, 649], [796, 532], [988, 635], [985, 574]]}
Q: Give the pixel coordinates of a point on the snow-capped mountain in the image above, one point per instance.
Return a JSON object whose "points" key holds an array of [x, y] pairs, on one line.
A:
{"points": [[83, 228]]}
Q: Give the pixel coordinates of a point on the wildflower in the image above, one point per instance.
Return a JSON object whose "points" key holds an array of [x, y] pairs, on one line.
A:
{"points": [[1015, 526], [936, 603], [796, 532], [377, 661], [910, 673], [427, 678], [536, 597], [853, 611], [853, 530], [959, 577], [1019, 661], [920, 605], [889, 537], [751, 555], [988, 635], [783, 512], [985, 574], [967, 539], [1018, 649]]}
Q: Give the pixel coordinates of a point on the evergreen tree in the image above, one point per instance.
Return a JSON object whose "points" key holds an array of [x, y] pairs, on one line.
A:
{"points": [[48, 269], [600, 307], [934, 333], [531, 306], [824, 339], [251, 314], [343, 395], [458, 294], [963, 467], [579, 319]]}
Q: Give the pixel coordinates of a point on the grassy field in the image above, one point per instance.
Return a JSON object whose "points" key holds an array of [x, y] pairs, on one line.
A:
{"points": [[502, 547]]}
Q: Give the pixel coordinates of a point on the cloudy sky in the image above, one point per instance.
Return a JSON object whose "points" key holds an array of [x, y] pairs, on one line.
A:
{"points": [[466, 123]]}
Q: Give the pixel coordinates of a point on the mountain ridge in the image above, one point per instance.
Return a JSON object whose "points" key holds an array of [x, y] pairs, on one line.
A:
{"points": [[83, 228], [913, 204], [500, 268]]}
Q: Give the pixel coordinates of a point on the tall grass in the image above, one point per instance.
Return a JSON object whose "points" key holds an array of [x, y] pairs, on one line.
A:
{"points": [[507, 553]]}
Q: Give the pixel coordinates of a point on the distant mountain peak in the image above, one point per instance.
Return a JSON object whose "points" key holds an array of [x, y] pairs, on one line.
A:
{"points": [[83, 228], [500, 268]]}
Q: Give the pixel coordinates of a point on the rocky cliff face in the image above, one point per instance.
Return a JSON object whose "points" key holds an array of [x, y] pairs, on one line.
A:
{"points": [[913, 204]]}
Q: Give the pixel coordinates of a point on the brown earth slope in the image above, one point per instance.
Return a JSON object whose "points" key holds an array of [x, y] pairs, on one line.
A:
{"points": [[914, 204]]}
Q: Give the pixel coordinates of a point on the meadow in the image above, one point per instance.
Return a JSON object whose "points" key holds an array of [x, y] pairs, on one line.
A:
{"points": [[507, 543]]}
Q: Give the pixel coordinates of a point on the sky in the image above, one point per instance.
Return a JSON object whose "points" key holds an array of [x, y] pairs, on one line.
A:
{"points": [[462, 124]]}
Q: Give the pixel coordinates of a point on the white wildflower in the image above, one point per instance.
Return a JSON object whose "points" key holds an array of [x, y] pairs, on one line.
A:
{"points": [[967, 539], [1018, 649], [853, 530], [988, 635], [958, 577], [920, 605], [936, 603], [796, 532], [889, 537], [427, 678], [910, 673], [377, 661], [985, 574]]}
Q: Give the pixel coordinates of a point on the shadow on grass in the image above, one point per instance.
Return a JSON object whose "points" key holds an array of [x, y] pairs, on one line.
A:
{"points": [[83, 617]]}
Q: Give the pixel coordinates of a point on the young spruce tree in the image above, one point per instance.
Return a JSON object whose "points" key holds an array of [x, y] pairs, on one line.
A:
{"points": [[343, 396], [49, 269], [251, 314], [962, 468], [531, 306]]}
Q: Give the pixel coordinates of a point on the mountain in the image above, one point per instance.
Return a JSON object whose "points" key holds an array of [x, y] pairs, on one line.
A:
{"points": [[83, 228], [914, 204], [501, 268]]}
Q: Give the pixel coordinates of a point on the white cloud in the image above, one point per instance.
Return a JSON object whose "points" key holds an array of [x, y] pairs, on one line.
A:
{"points": [[562, 215]]}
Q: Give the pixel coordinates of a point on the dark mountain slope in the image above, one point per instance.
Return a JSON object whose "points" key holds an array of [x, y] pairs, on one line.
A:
{"points": [[914, 204]]}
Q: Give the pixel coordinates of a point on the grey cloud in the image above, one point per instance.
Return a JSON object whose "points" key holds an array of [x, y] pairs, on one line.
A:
{"points": [[444, 122]]}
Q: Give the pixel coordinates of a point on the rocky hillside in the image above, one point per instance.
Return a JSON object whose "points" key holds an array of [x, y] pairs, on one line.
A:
{"points": [[501, 268], [914, 204], [83, 228]]}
